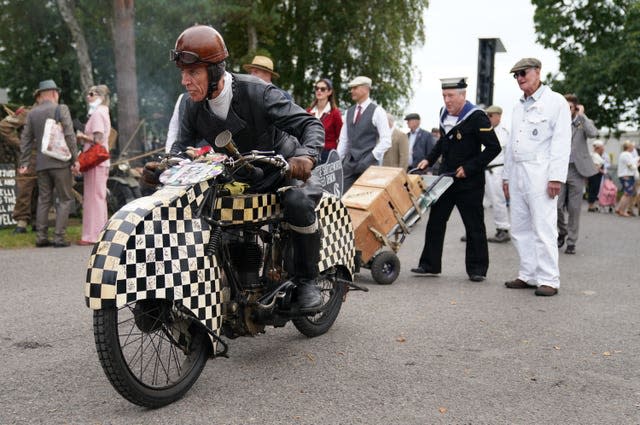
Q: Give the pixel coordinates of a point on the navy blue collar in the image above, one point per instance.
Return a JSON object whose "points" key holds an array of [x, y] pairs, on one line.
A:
{"points": [[467, 110]]}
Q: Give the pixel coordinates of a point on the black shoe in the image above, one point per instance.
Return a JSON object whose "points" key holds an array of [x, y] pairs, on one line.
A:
{"points": [[501, 236], [463, 238], [62, 244], [546, 291], [20, 230], [308, 295], [43, 243], [421, 270], [571, 249], [476, 278], [561, 240]]}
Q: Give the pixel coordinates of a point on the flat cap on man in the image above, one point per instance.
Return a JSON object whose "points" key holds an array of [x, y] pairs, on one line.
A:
{"points": [[412, 116], [360, 81], [526, 63], [493, 109], [454, 83]]}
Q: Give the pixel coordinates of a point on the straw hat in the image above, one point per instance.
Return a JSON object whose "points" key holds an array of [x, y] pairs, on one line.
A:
{"points": [[263, 63]]}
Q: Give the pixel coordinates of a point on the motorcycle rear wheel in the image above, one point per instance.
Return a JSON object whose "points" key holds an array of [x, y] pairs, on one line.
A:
{"points": [[332, 294], [151, 352]]}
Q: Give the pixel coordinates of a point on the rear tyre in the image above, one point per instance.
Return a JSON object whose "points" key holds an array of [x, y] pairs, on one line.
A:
{"points": [[385, 267], [333, 292], [151, 351]]}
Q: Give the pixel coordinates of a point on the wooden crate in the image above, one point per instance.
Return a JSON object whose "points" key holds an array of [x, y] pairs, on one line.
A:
{"points": [[374, 200], [365, 240], [416, 184], [393, 180]]}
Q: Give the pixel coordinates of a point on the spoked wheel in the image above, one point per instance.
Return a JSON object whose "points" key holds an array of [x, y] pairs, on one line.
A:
{"points": [[151, 351], [332, 294]]}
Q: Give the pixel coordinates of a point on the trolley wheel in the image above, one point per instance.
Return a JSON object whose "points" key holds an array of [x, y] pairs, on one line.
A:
{"points": [[385, 267]]}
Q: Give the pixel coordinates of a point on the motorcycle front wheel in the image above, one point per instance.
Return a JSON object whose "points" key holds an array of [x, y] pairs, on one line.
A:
{"points": [[332, 294], [151, 351]]}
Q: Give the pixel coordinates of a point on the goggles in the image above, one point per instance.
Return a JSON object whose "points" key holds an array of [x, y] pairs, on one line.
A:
{"points": [[185, 57]]}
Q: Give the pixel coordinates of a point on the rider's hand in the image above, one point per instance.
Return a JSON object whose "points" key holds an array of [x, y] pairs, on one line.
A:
{"points": [[151, 173], [300, 167]]}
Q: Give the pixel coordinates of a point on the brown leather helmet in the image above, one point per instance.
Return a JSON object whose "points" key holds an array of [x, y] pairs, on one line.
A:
{"points": [[198, 45]]}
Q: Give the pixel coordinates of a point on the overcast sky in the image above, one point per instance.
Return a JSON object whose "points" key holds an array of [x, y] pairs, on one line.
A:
{"points": [[452, 29]]}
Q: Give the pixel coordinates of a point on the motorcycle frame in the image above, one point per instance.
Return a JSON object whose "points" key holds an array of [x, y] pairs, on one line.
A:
{"points": [[155, 248]]}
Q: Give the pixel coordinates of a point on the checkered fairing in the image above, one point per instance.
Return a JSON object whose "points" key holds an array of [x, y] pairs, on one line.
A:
{"points": [[240, 209], [154, 248], [338, 245]]}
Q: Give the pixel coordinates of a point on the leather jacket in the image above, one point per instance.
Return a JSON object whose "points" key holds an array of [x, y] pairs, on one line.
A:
{"points": [[259, 118]]}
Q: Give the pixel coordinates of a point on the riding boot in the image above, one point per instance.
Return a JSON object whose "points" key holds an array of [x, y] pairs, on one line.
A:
{"points": [[306, 254]]}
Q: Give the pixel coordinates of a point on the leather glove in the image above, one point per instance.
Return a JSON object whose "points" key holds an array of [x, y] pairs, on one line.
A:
{"points": [[151, 173], [300, 167]]}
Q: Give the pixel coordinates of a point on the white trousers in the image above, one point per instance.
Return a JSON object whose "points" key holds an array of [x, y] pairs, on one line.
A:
{"points": [[494, 194], [534, 230]]}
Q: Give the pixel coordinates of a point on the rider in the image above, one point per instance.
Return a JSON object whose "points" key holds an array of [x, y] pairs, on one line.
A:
{"points": [[259, 118]]}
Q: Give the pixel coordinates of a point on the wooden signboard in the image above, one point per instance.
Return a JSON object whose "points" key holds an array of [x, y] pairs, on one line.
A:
{"points": [[7, 194]]}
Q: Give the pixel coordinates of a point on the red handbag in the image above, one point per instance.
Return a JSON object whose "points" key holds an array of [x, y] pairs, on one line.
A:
{"points": [[93, 156]]}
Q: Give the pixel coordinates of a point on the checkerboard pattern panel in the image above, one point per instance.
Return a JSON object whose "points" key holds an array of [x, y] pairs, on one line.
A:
{"points": [[252, 208], [337, 234], [154, 248]]}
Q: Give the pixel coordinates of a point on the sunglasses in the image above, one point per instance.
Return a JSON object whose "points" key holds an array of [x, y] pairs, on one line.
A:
{"points": [[520, 73], [322, 89], [184, 57], [91, 94]]}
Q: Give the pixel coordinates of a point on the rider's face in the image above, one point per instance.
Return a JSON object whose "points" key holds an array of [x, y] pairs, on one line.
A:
{"points": [[196, 81]]}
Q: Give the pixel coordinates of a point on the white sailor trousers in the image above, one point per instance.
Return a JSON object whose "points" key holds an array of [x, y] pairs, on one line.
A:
{"points": [[534, 229], [495, 195]]}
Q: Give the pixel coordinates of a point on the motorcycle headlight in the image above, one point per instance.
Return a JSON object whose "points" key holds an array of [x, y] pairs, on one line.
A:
{"points": [[124, 166]]}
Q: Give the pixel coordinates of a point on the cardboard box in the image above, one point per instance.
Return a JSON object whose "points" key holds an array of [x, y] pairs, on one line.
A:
{"points": [[393, 180]]}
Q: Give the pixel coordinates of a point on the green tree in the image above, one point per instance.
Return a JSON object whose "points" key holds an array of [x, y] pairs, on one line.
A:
{"points": [[307, 39], [598, 44]]}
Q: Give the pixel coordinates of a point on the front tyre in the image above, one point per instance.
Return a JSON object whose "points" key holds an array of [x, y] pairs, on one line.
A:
{"points": [[151, 351], [333, 291]]}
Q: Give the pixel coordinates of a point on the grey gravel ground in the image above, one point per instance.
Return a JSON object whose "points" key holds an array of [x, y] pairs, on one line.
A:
{"points": [[423, 350]]}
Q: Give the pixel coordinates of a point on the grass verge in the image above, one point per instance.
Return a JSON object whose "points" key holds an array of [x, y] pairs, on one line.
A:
{"points": [[10, 240]]}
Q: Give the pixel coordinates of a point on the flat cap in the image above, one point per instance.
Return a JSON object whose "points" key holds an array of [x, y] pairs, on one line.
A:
{"points": [[360, 81], [454, 83], [493, 109], [412, 116], [526, 63], [597, 143]]}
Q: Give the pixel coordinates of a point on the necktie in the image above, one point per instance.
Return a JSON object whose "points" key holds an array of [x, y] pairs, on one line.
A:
{"points": [[358, 112]]}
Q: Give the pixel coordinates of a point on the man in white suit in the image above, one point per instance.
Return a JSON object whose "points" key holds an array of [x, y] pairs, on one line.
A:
{"points": [[535, 167]]}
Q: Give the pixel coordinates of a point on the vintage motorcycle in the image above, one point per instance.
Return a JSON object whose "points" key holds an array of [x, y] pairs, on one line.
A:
{"points": [[174, 272]]}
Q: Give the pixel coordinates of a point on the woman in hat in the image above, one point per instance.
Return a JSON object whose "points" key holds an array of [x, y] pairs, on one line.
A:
{"points": [[325, 109], [97, 129]]}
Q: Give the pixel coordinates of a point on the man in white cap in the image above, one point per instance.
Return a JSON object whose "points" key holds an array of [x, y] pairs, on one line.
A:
{"points": [[262, 67], [365, 135], [493, 176], [536, 162], [466, 130]]}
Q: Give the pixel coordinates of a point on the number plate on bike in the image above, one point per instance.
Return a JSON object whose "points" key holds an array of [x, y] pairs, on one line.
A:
{"points": [[190, 173]]}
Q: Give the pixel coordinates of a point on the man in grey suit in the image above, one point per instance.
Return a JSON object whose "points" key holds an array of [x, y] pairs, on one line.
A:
{"points": [[420, 141], [580, 167], [52, 173]]}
